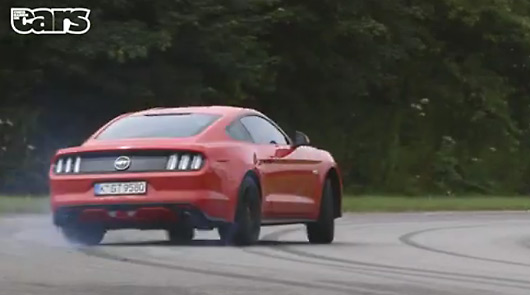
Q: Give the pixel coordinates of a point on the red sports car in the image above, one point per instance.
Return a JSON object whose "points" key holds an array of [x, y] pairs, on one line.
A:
{"points": [[204, 168]]}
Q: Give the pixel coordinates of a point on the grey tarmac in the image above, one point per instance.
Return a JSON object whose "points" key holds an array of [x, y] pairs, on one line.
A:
{"points": [[373, 254]]}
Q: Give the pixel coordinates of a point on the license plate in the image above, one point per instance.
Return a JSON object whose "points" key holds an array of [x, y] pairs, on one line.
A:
{"points": [[120, 188]]}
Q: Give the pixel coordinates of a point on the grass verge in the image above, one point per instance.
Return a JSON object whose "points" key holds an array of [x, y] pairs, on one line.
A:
{"points": [[32, 204], [23, 204], [419, 204]]}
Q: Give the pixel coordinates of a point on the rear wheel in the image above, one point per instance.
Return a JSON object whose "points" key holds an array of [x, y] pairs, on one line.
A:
{"points": [[85, 235], [323, 230], [246, 227]]}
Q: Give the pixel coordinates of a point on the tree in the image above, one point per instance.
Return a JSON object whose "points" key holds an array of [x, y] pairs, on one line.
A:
{"points": [[410, 96]]}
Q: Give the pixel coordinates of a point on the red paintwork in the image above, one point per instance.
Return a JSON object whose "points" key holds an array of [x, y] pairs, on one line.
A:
{"points": [[289, 185], [139, 217]]}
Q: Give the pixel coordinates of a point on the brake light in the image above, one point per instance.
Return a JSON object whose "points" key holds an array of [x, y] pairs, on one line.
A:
{"points": [[186, 162]]}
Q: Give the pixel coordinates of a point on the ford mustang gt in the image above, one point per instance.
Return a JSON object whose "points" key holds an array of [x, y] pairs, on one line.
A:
{"points": [[194, 168]]}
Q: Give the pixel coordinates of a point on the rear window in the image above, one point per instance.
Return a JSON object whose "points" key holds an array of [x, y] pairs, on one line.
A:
{"points": [[158, 126]]}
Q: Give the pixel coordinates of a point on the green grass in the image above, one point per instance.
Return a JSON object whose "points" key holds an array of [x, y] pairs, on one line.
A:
{"points": [[29, 204], [23, 204], [418, 204]]}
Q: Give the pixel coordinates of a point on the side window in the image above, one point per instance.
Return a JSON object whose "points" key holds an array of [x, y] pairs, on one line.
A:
{"points": [[237, 131], [262, 131]]}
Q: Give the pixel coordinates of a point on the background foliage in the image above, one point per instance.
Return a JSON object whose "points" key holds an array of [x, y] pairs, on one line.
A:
{"points": [[411, 96]]}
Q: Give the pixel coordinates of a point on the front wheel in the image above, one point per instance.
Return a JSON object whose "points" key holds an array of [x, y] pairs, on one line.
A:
{"points": [[322, 231], [84, 235], [245, 229]]}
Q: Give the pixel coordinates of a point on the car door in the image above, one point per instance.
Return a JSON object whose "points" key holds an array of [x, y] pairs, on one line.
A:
{"points": [[305, 166], [285, 175]]}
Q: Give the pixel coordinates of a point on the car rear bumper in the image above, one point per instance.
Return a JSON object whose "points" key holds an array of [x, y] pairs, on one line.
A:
{"points": [[136, 216], [211, 203], [201, 190]]}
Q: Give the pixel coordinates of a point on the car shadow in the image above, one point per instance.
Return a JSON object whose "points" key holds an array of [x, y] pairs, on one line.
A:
{"points": [[211, 243]]}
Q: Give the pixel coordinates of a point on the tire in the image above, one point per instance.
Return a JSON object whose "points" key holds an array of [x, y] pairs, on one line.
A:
{"points": [[182, 234], [84, 235], [245, 229], [322, 231]]}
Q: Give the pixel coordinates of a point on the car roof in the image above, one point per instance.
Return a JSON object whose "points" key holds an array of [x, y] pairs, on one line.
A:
{"points": [[219, 110]]}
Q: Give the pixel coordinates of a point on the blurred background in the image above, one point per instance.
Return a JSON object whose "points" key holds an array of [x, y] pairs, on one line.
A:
{"points": [[411, 97]]}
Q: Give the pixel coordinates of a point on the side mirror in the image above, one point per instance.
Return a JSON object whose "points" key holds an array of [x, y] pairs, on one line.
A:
{"points": [[300, 139]]}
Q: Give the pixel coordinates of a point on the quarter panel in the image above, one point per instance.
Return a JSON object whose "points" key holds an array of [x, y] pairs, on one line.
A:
{"points": [[327, 163]]}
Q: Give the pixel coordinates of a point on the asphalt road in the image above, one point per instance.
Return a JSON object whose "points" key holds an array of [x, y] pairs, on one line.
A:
{"points": [[374, 254]]}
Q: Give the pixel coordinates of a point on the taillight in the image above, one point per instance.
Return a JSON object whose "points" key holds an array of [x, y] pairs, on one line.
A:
{"points": [[67, 165], [185, 162], [196, 163], [77, 165], [172, 162], [59, 166]]}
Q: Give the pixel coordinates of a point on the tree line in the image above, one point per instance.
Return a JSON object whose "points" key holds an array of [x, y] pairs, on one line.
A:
{"points": [[411, 97]]}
